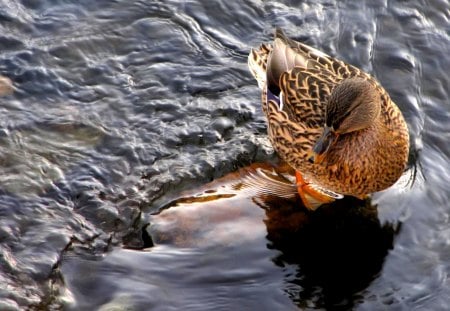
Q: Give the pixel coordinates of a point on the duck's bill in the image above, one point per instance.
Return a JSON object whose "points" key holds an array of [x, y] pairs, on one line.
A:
{"points": [[326, 140]]}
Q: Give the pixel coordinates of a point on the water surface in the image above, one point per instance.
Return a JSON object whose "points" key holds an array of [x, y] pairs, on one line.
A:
{"points": [[119, 107]]}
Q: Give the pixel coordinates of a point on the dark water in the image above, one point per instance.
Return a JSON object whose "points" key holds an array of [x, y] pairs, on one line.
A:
{"points": [[120, 106]]}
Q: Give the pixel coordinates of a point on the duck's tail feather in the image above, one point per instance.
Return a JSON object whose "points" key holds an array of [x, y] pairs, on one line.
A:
{"points": [[257, 63]]}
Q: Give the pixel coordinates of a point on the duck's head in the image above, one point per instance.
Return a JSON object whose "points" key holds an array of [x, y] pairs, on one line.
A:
{"points": [[353, 105]]}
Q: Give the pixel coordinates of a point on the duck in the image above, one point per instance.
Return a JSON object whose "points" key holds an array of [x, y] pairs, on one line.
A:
{"points": [[331, 122]]}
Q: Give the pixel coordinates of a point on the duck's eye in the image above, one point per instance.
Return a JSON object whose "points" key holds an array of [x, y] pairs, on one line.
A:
{"points": [[336, 124]]}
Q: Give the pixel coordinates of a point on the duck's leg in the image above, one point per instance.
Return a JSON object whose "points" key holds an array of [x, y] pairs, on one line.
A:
{"points": [[311, 198]]}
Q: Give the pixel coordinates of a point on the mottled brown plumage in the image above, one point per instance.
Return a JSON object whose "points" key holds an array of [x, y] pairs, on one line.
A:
{"points": [[306, 93]]}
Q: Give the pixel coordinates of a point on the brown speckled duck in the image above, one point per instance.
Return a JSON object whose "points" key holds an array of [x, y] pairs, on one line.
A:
{"points": [[330, 121]]}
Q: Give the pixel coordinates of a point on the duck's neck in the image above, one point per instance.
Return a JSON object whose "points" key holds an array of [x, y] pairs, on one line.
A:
{"points": [[358, 144]]}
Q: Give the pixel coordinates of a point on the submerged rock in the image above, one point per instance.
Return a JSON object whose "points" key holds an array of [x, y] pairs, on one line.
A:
{"points": [[6, 86]]}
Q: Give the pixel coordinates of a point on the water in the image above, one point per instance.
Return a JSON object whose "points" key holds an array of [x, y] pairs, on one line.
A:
{"points": [[119, 107]]}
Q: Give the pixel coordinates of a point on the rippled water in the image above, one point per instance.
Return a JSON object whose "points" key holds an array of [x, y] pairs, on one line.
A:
{"points": [[120, 106]]}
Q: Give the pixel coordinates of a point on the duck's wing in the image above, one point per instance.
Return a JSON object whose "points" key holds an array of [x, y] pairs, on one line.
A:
{"points": [[283, 58], [304, 95], [292, 140], [287, 54]]}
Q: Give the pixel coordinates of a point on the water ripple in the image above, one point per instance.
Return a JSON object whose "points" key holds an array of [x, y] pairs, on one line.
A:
{"points": [[119, 106]]}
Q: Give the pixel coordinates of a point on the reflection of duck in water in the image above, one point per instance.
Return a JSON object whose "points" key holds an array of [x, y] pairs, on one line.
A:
{"points": [[334, 124], [336, 251]]}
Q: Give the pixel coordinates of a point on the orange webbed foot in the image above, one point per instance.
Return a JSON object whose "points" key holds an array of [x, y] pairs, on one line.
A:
{"points": [[311, 197]]}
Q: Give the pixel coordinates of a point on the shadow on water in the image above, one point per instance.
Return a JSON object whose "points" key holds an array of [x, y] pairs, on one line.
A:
{"points": [[336, 251]]}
